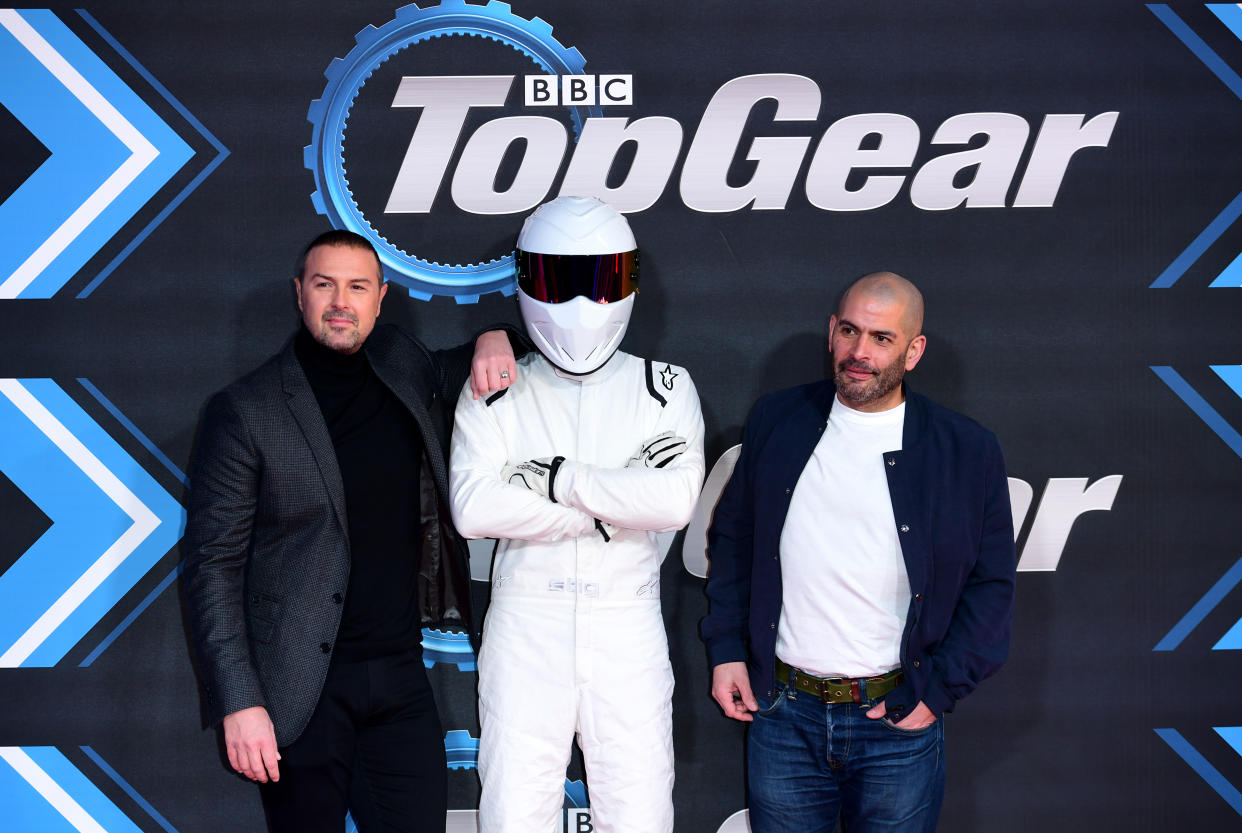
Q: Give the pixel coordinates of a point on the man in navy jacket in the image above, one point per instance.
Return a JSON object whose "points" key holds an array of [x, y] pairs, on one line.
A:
{"points": [[861, 581]]}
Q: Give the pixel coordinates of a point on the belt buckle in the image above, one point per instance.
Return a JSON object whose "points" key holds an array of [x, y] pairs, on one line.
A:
{"points": [[833, 689]]}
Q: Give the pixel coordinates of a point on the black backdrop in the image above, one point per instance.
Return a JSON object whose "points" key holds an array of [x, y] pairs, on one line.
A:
{"points": [[1119, 706]]}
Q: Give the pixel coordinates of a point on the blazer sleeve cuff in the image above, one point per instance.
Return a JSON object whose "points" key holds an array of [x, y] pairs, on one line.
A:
{"points": [[719, 653]]}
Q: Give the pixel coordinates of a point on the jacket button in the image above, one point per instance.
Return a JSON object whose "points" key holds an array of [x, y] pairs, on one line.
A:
{"points": [[772, 625], [787, 491], [917, 664], [326, 648], [891, 461], [904, 528], [918, 597], [338, 598]]}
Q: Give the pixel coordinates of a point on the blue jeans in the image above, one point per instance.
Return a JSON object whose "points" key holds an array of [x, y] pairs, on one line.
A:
{"points": [[811, 763]]}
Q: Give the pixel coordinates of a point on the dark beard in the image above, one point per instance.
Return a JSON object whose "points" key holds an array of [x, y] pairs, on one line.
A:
{"points": [[854, 393]]}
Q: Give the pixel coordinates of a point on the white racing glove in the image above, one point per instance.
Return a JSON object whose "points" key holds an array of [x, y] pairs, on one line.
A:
{"points": [[537, 475], [658, 452]]}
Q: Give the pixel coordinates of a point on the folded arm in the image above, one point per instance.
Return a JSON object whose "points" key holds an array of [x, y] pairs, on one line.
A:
{"points": [[485, 506], [636, 496]]}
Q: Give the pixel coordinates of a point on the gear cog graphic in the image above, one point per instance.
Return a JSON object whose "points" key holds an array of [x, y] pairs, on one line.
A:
{"points": [[461, 749], [447, 647], [328, 115]]}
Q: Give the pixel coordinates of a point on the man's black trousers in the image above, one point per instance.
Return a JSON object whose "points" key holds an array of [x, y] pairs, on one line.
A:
{"points": [[373, 746]]}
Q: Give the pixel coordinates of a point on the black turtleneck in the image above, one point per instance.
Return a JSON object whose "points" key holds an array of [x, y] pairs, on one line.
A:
{"points": [[379, 452]]}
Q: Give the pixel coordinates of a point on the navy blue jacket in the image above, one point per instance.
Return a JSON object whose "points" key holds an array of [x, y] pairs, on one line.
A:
{"points": [[950, 500]]}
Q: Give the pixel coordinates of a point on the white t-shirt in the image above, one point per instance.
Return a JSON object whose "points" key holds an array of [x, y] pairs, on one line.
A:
{"points": [[846, 592]]}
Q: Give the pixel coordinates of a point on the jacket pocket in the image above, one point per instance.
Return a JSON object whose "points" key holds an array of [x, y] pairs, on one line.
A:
{"points": [[262, 615]]}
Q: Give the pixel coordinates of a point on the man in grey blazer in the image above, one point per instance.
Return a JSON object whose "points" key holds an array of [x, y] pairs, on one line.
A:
{"points": [[318, 546]]}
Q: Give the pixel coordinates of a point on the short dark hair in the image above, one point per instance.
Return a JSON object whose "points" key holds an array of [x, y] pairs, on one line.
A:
{"points": [[337, 237]]}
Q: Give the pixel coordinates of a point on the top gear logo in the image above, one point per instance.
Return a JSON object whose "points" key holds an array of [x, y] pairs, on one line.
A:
{"points": [[508, 164], [324, 157]]}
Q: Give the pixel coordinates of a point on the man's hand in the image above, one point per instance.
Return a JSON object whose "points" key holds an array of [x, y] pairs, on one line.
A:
{"points": [[731, 690], [493, 367], [537, 475], [658, 452], [250, 739], [920, 717]]}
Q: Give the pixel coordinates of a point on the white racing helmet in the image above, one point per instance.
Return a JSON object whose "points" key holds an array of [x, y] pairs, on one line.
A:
{"points": [[577, 274]]}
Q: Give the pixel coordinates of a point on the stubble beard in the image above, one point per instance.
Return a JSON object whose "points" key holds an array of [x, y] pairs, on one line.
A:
{"points": [[339, 339]]}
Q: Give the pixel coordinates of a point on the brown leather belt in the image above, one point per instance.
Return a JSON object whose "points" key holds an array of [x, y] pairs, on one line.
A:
{"points": [[839, 689]]}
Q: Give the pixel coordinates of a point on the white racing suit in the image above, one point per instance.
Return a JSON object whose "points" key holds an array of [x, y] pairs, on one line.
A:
{"points": [[574, 639]]}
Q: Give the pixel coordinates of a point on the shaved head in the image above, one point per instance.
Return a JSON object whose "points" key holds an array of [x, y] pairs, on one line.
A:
{"points": [[875, 337], [890, 288]]}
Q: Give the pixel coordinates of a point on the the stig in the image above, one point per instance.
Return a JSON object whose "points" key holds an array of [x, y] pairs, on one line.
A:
{"points": [[575, 468]]}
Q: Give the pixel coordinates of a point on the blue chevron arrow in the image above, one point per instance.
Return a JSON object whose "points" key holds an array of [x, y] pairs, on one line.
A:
{"points": [[1210, 416], [44, 791], [222, 153], [111, 522], [1231, 16], [110, 153], [128, 789], [1232, 640], [1202, 768], [1231, 375], [1199, 611], [1232, 735]]}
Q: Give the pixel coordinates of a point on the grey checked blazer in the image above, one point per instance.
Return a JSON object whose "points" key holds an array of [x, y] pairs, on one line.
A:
{"points": [[266, 542]]}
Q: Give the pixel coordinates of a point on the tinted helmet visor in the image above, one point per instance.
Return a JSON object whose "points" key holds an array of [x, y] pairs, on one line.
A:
{"points": [[554, 279]]}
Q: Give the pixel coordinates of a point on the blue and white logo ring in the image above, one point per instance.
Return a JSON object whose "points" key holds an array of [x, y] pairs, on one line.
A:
{"points": [[346, 76]]}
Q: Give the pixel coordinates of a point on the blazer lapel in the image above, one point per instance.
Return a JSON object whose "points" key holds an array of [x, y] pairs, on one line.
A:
{"points": [[300, 400]]}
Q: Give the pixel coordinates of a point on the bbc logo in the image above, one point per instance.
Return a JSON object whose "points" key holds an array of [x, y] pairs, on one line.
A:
{"points": [[578, 90]]}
